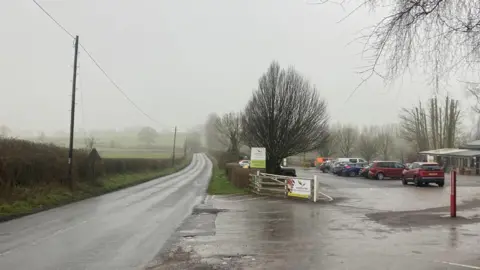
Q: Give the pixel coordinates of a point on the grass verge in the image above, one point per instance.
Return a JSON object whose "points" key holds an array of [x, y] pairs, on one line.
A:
{"points": [[33, 200], [219, 184]]}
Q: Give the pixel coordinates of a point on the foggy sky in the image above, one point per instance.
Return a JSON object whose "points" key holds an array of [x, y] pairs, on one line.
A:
{"points": [[181, 60]]}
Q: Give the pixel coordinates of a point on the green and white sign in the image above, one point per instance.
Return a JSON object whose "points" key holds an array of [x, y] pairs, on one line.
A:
{"points": [[258, 157]]}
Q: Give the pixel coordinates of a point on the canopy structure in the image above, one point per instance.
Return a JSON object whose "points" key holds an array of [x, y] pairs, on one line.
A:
{"points": [[452, 152], [475, 145]]}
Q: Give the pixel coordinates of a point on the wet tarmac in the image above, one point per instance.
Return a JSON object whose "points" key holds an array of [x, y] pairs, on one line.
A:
{"points": [[370, 225], [120, 230]]}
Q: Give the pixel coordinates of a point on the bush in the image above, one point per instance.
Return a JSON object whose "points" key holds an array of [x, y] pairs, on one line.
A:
{"points": [[25, 163]]}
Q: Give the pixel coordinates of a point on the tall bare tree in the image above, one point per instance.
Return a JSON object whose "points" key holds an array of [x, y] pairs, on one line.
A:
{"points": [[346, 137], [328, 148], [435, 127], [414, 125], [285, 115], [385, 140], [229, 127], [368, 143], [211, 133]]}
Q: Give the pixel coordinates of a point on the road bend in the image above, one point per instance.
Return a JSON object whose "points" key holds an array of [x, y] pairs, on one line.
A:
{"points": [[120, 230]]}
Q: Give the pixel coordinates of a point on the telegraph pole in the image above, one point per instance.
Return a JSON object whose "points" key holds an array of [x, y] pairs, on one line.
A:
{"points": [[174, 141], [72, 115]]}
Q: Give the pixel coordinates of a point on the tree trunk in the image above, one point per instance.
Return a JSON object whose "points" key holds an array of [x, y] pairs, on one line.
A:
{"points": [[272, 165]]}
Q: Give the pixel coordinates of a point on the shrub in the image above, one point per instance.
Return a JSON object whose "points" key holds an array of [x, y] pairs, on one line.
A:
{"points": [[25, 163]]}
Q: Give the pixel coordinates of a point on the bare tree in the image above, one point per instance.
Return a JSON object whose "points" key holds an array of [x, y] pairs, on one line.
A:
{"points": [[368, 143], [328, 148], [435, 127], [440, 34], [346, 137], [229, 127], [385, 141], [285, 115], [413, 122], [90, 142], [211, 133]]}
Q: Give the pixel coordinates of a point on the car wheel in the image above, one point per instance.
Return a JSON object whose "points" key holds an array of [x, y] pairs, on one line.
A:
{"points": [[380, 176], [352, 174], [404, 181], [415, 180], [441, 184]]}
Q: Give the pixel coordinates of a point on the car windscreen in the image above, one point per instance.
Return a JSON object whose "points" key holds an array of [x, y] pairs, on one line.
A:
{"points": [[431, 167]]}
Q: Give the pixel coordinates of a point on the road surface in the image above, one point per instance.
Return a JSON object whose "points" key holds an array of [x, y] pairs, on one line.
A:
{"points": [[120, 230], [371, 224]]}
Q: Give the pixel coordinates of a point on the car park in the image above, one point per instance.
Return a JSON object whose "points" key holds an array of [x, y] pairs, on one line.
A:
{"points": [[386, 169], [424, 173]]}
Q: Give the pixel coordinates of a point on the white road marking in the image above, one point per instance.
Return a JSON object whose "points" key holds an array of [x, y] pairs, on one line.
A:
{"points": [[460, 265], [325, 195]]}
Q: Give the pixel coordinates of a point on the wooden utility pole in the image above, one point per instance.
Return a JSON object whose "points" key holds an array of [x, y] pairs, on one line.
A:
{"points": [[174, 141], [72, 115]]}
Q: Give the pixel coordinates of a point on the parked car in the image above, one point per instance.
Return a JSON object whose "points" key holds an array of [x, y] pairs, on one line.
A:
{"points": [[244, 163], [351, 160], [338, 167], [288, 171], [421, 173], [386, 169], [326, 166], [352, 169], [364, 171]]}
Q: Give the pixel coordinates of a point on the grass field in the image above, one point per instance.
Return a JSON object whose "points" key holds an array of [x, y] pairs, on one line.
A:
{"points": [[164, 140], [219, 184], [138, 153]]}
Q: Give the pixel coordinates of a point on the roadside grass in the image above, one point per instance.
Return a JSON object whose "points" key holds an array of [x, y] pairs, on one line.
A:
{"points": [[219, 184], [27, 201]]}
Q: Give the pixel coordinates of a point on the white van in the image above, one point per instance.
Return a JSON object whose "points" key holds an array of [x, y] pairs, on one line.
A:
{"points": [[352, 160]]}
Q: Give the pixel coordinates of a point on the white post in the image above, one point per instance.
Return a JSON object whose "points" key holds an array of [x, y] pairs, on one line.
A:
{"points": [[315, 188]]}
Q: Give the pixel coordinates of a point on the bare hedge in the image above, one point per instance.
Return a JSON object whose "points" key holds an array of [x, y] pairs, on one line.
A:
{"points": [[26, 163]]}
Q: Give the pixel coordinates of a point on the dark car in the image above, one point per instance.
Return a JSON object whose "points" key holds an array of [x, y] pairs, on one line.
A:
{"points": [[338, 167], [364, 171], [352, 169], [325, 166], [421, 173]]}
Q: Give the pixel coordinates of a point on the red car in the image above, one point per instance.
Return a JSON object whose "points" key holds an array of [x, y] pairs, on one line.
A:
{"points": [[424, 173], [383, 169]]}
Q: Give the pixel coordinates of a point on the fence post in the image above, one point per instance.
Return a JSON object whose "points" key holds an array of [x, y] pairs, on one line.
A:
{"points": [[315, 188]]}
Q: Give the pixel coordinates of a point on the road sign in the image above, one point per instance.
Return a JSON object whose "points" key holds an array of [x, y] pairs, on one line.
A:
{"points": [[258, 157]]}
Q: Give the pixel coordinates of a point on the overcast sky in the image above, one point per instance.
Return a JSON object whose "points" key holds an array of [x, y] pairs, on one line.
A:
{"points": [[181, 60]]}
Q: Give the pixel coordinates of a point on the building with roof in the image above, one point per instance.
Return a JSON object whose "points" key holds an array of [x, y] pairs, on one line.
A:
{"points": [[465, 160]]}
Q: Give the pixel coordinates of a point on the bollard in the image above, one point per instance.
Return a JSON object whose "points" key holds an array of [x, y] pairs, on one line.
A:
{"points": [[315, 186], [453, 193]]}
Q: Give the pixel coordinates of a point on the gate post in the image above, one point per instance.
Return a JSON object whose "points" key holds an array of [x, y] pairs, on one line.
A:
{"points": [[453, 193]]}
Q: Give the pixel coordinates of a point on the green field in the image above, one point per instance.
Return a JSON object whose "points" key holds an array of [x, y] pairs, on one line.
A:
{"points": [[164, 140], [134, 153]]}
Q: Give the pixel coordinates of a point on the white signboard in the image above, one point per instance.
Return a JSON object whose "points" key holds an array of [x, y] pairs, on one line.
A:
{"points": [[299, 188], [258, 157]]}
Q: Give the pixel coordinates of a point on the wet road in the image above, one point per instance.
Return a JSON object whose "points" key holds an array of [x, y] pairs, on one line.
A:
{"points": [[370, 225], [120, 230]]}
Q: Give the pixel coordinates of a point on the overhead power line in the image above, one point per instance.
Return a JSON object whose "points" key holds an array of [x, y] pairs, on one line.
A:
{"points": [[117, 87]]}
